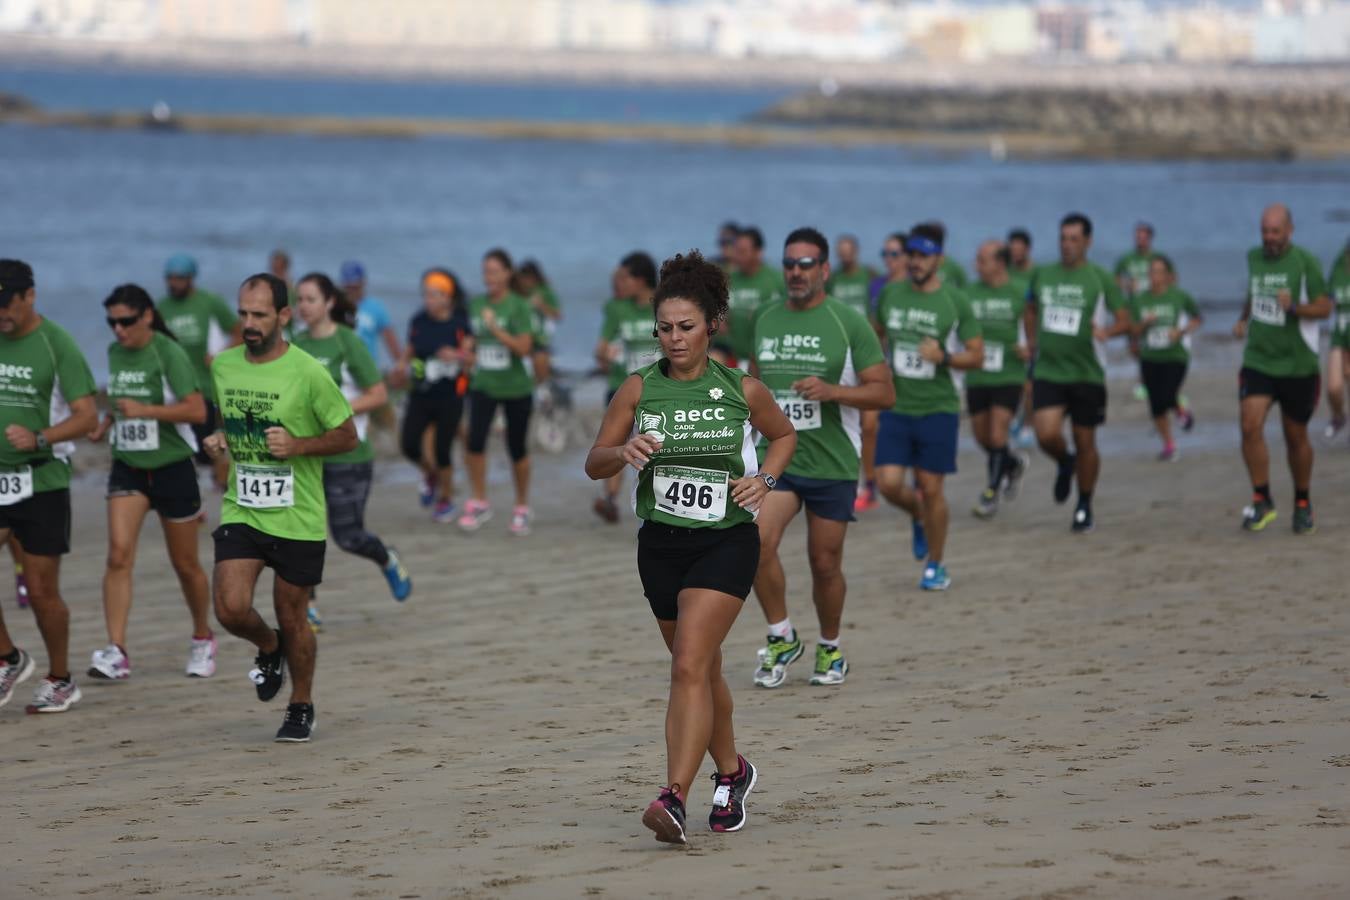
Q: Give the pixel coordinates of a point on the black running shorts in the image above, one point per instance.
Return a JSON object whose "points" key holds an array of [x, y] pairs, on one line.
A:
{"points": [[41, 523], [1163, 381], [1297, 396], [297, 562], [172, 490], [1084, 400], [672, 559], [981, 399]]}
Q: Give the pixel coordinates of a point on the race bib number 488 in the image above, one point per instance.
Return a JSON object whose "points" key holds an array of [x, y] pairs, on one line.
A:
{"points": [[264, 487], [696, 494], [136, 434]]}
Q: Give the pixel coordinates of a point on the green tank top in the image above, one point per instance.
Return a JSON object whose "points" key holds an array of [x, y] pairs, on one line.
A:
{"points": [[706, 443]]}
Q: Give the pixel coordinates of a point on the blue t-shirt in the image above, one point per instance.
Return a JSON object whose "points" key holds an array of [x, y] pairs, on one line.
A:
{"points": [[426, 336], [371, 321]]}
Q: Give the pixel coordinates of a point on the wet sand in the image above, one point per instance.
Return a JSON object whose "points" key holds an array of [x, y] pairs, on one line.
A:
{"points": [[1157, 709]]}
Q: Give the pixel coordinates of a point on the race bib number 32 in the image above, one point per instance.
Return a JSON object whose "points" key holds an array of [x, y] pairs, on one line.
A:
{"points": [[137, 434], [16, 485], [264, 487], [802, 413], [696, 494], [910, 364]]}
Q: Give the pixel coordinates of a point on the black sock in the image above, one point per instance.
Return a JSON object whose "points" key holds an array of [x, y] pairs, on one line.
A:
{"points": [[1084, 499], [13, 656], [998, 465], [1262, 492], [1301, 498]]}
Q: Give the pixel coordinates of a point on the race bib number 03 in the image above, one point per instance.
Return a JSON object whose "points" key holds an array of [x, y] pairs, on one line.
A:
{"points": [[16, 485], [1267, 310], [494, 358], [802, 413], [264, 487], [696, 494], [1063, 320], [993, 357], [909, 364], [136, 434]]}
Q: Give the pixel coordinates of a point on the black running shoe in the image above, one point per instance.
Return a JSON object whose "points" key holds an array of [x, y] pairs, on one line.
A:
{"points": [[665, 816], [1064, 478], [298, 725], [1082, 519], [729, 793], [269, 671]]}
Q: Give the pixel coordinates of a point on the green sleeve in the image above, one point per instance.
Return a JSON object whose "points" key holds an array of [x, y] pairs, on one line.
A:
{"points": [[609, 325], [1188, 303], [1121, 265], [551, 299], [967, 326], [223, 315], [521, 320], [359, 361], [178, 370], [1317, 286], [1115, 298], [863, 341], [325, 398], [72, 369]]}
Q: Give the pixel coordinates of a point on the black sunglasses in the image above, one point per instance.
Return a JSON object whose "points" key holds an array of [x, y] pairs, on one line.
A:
{"points": [[891, 254], [805, 263], [124, 321]]}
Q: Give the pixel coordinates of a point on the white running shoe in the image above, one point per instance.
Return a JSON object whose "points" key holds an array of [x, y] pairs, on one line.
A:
{"points": [[202, 658], [109, 664], [53, 697]]}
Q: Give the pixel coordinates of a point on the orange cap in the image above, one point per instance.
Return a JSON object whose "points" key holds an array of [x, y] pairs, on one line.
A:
{"points": [[439, 281]]}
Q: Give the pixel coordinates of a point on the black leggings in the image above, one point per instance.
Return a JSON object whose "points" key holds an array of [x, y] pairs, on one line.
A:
{"points": [[1163, 382], [440, 407], [346, 487], [481, 410]]}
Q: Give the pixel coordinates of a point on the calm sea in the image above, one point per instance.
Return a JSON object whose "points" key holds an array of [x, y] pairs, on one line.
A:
{"points": [[93, 209]]}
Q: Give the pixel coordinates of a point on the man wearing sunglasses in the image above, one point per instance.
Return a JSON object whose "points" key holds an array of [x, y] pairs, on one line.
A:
{"points": [[824, 365], [1073, 308], [46, 401], [925, 318]]}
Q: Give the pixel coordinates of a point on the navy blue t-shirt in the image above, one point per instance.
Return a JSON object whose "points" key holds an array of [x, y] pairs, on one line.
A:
{"points": [[426, 336]]}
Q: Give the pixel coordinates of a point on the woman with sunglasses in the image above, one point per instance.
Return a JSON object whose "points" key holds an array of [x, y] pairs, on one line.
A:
{"points": [[155, 400], [699, 490], [328, 337]]}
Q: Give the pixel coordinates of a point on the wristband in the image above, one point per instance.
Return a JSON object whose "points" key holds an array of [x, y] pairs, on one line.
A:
{"points": [[946, 357], [41, 440]]}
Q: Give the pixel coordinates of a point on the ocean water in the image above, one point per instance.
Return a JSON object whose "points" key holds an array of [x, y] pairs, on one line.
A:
{"points": [[92, 209]]}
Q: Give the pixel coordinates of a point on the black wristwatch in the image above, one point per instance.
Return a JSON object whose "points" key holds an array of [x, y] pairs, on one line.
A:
{"points": [[41, 440], [946, 357], [768, 480]]}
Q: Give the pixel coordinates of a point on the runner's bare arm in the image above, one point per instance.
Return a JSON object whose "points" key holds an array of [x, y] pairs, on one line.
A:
{"points": [[876, 390], [1320, 308], [370, 398], [391, 343], [284, 445], [1030, 321], [768, 419], [82, 419], [970, 357], [518, 344], [1121, 325], [190, 410], [616, 446]]}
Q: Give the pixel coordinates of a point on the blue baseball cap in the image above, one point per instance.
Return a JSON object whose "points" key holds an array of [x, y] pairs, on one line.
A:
{"points": [[181, 265], [352, 272]]}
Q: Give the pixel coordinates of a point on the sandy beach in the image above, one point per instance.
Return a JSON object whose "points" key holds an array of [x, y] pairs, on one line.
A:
{"points": [[1157, 709]]}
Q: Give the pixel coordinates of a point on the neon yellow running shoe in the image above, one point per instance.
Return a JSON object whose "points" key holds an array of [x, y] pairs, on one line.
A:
{"points": [[831, 667]]}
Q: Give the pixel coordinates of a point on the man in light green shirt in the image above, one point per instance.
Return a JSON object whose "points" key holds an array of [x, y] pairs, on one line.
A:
{"points": [[282, 413], [1132, 269]]}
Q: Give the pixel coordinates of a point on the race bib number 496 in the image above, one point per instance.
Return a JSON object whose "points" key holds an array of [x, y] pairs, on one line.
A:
{"points": [[264, 487], [696, 494]]}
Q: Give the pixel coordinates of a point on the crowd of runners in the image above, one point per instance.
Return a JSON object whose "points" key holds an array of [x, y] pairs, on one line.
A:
{"points": [[741, 392]]}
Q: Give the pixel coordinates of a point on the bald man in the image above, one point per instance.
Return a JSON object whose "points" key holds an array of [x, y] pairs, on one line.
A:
{"points": [[1286, 297]]}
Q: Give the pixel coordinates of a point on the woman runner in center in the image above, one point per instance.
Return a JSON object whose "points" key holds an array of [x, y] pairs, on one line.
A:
{"points": [[686, 423]]}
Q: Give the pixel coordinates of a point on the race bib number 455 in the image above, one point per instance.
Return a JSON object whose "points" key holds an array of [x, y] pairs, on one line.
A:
{"points": [[696, 494], [802, 413], [264, 487]]}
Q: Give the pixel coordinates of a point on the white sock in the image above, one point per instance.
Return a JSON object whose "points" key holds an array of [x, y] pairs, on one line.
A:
{"points": [[832, 644], [781, 629]]}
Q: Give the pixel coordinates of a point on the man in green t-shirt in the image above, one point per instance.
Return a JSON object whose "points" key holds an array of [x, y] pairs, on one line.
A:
{"points": [[931, 330], [204, 325], [1338, 360], [282, 413], [1286, 298], [994, 390], [823, 363], [752, 284], [626, 345], [851, 282], [1132, 269], [46, 401], [1020, 265], [1073, 308]]}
